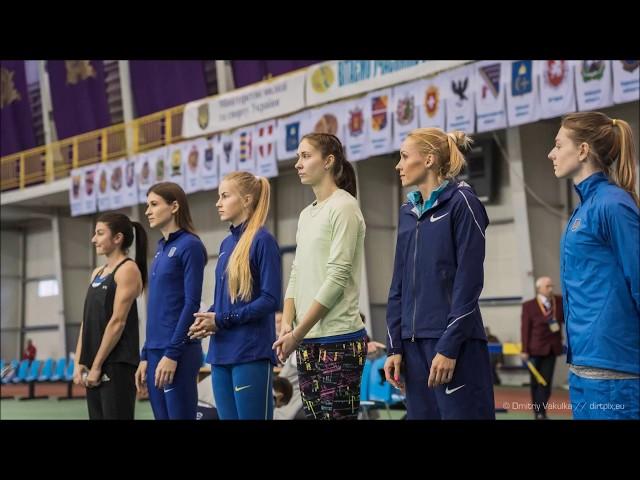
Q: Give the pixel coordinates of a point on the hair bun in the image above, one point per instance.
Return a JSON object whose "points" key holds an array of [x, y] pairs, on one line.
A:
{"points": [[460, 138]]}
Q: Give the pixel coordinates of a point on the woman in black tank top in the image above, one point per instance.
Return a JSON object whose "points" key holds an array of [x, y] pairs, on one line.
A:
{"points": [[107, 353]]}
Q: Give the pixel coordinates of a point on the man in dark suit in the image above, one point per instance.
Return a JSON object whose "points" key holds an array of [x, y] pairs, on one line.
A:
{"points": [[542, 320]]}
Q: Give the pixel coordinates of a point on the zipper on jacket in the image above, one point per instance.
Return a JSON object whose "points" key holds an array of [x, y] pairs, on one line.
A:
{"points": [[415, 298]]}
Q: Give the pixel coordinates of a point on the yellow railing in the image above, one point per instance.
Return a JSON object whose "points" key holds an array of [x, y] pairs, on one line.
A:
{"points": [[55, 160]]}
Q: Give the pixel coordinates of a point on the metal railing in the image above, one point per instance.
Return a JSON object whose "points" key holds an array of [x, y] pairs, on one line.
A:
{"points": [[55, 160]]}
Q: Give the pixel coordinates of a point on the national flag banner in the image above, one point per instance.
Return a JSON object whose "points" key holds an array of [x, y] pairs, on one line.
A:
{"points": [[459, 97], [626, 80], [378, 121], [489, 83], [264, 144], [405, 101], [557, 93]]}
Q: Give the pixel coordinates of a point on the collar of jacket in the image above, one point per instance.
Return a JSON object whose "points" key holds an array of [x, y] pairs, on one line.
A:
{"points": [[172, 236], [237, 231], [589, 185]]}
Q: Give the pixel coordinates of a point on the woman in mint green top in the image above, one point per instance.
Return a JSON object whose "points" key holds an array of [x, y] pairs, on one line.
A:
{"points": [[321, 317]]}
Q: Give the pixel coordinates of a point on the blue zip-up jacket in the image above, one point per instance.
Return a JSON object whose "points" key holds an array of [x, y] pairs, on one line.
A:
{"points": [[438, 272], [175, 291], [246, 330], [599, 269]]}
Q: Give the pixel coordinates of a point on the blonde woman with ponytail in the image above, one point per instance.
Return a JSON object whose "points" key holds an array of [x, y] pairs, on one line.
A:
{"points": [[436, 344], [248, 289], [600, 266]]}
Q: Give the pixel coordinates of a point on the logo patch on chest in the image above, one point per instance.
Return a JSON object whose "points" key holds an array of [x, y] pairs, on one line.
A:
{"points": [[172, 251], [576, 225]]}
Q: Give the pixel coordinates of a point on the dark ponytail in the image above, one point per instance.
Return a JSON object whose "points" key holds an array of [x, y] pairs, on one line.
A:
{"points": [[141, 251], [343, 172], [120, 223]]}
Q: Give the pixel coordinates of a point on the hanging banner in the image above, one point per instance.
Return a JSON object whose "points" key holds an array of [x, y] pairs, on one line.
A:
{"points": [[522, 92], [177, 156], [489, 83], [130, 189], [378, 121], [244, 106], [104, 186], [76, 196], [264, 144], [405, 112], [116, 184], [209, 164], [194, 157], [593, 84], [430, 97], [459, 98], [557, 95], [289, 132], [337, 79], [243, 145], [329, 119], [144, 175], [626, 80], [356, 131], [159, 163], [226, 155], [90, 175]]}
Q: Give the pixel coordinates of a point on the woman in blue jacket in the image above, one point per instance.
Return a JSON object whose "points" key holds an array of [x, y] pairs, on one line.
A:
{"points": [[435, 330], [247, 294], [600, 266], [170, 360]]}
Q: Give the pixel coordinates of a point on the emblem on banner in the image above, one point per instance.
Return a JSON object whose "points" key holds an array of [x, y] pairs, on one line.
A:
{"points": [[328, 123], [8, 92], [116, 178], [379, 112], [208, 158], [405, 110], [491, 76], [203, 115], [555, 72], [521, 78], [226, 148], [176, 162], [76, 182], [193, 159], [630, 65], [356, 122], [460, 87], [322, 79], [262, 132], [103, 181], [432, 101], [78, 70], [592, 70], [245, 146], [292, 135], [89, 179], [160, 169]]}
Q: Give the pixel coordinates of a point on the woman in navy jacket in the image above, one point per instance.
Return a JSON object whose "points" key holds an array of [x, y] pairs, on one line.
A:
{"points": [[435, 331], [170, 360], [247, 294]]}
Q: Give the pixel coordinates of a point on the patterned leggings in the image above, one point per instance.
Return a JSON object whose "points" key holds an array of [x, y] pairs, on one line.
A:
{"points": [[330, 376]]}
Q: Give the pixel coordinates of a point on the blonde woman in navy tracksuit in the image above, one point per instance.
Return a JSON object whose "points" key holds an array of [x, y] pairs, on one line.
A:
{"points": [[247, 294], [436, 338]]}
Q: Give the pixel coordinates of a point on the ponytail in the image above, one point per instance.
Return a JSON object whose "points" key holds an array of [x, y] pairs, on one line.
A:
{"points": [[625, 172], [239, 266], [141, 251]]}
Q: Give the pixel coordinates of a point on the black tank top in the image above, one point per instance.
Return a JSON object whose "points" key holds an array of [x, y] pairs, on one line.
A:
{"points": [[98, 308]]}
